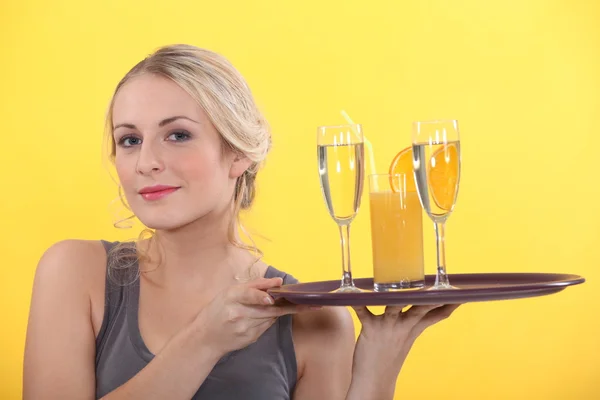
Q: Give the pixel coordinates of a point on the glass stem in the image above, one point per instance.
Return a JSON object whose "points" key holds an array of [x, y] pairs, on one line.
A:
{"points": [[345, 241], [441, 278]]}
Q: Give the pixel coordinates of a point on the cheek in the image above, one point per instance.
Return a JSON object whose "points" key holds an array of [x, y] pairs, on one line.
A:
{"points": [[205, 170], [205, 173], [125, 171]]}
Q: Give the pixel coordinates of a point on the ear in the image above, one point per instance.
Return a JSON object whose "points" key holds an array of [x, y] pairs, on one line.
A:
{"points": [[239, 165]]}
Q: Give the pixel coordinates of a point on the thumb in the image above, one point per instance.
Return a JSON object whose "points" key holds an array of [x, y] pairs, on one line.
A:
{"points": [[264, 283]]}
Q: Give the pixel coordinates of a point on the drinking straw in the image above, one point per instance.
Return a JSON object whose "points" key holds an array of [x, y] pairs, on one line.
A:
{"points": [[369, 147]]}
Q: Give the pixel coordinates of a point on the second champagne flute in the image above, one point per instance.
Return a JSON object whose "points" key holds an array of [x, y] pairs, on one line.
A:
{"points": [[436, 163], [340, 154]]}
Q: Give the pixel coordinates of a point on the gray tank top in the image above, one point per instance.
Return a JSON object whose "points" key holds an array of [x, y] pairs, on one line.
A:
{"points": [[264, 370]]}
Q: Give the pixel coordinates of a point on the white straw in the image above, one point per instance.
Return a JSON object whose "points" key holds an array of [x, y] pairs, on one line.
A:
{"points": [[369, 149]]}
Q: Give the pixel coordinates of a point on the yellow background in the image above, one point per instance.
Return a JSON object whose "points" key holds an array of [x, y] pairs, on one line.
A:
{"points": [[522, 77]]}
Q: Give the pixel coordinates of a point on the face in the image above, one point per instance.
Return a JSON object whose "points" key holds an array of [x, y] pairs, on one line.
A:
{"points": [[169, 157]]}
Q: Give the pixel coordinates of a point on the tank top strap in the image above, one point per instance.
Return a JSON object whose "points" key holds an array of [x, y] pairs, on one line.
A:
{"points": [[115, 300], [272, 272], [284, 330]]}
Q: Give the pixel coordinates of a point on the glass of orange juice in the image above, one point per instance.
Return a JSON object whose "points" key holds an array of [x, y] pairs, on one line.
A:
{"points": [[396, 232]]}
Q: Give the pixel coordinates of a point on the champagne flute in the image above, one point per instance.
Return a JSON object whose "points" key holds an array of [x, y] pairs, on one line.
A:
{"points": [[340, 153], [436, 164]]}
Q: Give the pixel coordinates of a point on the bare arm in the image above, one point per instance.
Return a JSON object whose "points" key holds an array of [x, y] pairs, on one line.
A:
{"points": [[60, 345], [327, 341], [336, 368], [383, 345], [175, 373]]}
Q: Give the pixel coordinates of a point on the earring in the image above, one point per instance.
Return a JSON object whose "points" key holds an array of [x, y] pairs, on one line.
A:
{"points": [[119, 209]]}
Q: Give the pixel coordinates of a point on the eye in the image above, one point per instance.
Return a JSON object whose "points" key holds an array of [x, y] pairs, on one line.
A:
{"points": [[129, 140], [179, 136]]}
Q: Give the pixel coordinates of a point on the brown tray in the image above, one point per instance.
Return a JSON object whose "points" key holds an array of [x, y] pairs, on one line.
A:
{"points": [[471, 288]]}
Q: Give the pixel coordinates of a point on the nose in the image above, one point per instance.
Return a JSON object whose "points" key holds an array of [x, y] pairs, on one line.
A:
{"points": [[149, 160]]}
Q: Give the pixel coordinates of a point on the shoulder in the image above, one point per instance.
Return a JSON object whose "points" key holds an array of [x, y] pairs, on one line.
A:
{"points": [[318, 329], [74, 270], [324, 347], [328, 323], [72, 267], [330, 329], [71, 260], [334, 320], [73, 249], [70, 257], [328, 320], [324, 342]]}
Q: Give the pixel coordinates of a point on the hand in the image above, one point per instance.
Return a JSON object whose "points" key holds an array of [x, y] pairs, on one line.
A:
{"points": [[240, 314], [385, 341]]}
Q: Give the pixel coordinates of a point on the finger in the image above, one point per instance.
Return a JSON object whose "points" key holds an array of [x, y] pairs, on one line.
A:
{"points": [[264, 323], [281, 302], [435, 316], [287, 309], [392, 312], [363, 313], [252, 296], [264, 283], [266, 312], [415, 313]]}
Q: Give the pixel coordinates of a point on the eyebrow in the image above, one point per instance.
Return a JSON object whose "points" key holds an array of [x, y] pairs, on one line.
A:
{"points": [[162, 123]]}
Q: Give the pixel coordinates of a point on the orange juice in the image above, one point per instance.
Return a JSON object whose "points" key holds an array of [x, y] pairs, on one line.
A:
{"points": [[397, 238]]}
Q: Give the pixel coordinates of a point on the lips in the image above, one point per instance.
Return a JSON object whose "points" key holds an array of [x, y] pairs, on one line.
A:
{"points": [[157, 192]]}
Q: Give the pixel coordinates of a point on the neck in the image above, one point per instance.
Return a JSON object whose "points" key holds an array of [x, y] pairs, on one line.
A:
{"points": [[199, 251]]}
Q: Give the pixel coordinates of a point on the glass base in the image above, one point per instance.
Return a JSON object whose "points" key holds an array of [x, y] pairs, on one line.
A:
{"points": [[398, 286], [348, 289], [442, 287]]}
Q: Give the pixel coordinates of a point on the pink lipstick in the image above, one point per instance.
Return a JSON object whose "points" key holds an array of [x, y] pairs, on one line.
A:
{"points": [[157, 192]]}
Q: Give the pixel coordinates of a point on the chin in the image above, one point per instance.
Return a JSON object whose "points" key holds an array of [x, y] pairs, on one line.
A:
{"points": [[169, 217], [162, 225], [164, 222]]}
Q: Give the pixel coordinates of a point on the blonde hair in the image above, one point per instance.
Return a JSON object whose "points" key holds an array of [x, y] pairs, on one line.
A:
{"points": [[222, 92]]}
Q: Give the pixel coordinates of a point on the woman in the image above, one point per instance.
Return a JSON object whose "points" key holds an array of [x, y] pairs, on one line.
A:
{"points": [[185, 313]]}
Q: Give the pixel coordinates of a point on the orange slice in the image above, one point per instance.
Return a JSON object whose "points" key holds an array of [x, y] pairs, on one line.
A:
{"points": [[403, 164], [443, 172]]}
